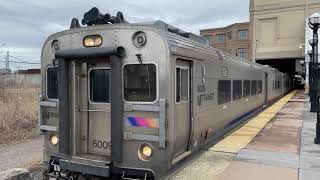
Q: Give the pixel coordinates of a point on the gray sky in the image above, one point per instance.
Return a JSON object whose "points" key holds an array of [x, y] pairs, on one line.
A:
{"points": [[26, 24]]}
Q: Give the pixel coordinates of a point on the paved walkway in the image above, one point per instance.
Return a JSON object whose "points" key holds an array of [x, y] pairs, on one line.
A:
{"points": [[309, 168], [220, 158], [274, 152], [277, 144], [22, 155]]}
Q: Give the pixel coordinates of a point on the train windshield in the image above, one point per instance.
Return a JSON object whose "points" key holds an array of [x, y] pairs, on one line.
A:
{"points": [[140, 82]]}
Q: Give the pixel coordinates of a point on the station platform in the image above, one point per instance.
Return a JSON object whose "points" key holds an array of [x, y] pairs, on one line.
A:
{"points": [[277, 144]]}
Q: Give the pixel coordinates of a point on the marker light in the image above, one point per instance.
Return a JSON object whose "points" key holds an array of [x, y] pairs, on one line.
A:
{"points": [[92, 41], [139, 39], [145, 152], [53, 140], [55, 45]]}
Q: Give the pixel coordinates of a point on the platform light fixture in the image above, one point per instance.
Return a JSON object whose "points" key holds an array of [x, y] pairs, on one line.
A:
{"points": [[300, 46]]}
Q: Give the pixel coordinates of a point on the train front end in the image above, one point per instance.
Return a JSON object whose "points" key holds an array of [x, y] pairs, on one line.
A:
{"points": [[102, 113]]}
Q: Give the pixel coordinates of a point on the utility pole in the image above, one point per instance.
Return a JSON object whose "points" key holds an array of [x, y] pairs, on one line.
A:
{"points": [[7, 61]]}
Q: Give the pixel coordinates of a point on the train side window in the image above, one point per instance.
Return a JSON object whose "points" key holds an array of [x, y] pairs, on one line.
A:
{"points": [[259, 87], [246, 88], [100, 85], [224, 91], [253, 87], [140, 82], [182, 84], [278, 84], [52, 83], [237, 89]]}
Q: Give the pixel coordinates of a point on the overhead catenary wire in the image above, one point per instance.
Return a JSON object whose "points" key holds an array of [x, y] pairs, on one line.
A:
{"points": [[12, 59], [21, 62]]}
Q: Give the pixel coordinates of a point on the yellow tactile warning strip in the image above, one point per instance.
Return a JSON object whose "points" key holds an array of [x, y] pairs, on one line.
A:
{"points": [[242, 137], [214, 161]]}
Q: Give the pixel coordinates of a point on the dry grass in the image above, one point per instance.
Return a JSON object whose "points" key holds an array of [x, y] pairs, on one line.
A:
{"points": [[18, 113]]}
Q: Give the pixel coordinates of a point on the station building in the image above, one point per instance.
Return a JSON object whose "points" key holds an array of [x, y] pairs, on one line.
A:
{"points": [[276, 34]]}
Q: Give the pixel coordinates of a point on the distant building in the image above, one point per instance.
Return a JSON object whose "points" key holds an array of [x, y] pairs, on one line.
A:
{"points": [[5, 71], [29, 71], [233, 39]]}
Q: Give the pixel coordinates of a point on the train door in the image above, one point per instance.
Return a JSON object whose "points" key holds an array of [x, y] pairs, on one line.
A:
{"points": [[182, 121], [265, 88], [99, 109]]}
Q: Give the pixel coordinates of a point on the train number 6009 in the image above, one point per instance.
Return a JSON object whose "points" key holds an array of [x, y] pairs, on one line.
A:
{"points": [[101, 144]]}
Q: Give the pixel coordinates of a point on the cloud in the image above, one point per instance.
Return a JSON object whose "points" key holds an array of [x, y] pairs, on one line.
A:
{"points": [[26, 24]]}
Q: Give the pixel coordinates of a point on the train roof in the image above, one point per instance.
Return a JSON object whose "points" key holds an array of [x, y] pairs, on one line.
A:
{"points": [[180, 42]]}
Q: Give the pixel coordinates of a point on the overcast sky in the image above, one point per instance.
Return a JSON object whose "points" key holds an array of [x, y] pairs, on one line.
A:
{"points": [[25, 25]]}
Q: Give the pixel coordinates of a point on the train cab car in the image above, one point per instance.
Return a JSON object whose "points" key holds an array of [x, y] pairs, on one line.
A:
{"points": [[123, 101]]}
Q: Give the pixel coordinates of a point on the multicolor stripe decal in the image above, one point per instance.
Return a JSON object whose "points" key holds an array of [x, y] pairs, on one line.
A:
{"points": [[143, 122]]}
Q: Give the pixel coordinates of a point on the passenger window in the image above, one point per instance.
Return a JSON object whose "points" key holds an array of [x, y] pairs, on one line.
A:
{"points": [[100, 85], [246, 88], [52, 83], [237, 89], [182, 84], [224, 91], [259, 87], [253, 88], [140, 82]]}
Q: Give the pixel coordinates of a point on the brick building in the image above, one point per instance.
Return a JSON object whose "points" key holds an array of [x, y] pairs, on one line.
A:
{"points": [[233, 39]]}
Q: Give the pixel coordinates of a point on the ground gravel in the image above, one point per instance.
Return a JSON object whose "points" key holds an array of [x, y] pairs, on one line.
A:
{"points": [[26, 154]]}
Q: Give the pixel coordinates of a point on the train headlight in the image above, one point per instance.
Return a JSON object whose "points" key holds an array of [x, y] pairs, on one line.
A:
{"points": [[145, 152], [92, 41], [139, 39], [54, 140]]}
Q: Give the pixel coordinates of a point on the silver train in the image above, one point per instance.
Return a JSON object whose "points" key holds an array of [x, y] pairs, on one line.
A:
{"points": [[133, 101]]}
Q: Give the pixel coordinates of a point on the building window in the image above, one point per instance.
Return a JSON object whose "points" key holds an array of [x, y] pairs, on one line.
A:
{"points": [[140, 82], [242, 53], [208, 37], [100, 85], [230, 35], [220, 38], [243, 34], [224, 91]]}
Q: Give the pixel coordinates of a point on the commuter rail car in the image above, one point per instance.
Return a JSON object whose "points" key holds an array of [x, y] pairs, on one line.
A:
{"points": [[132, 101]]}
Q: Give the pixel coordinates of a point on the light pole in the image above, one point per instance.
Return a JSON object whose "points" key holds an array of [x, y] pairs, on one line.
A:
{"points": [[314, 24], [308, 72], [312, 80]]}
